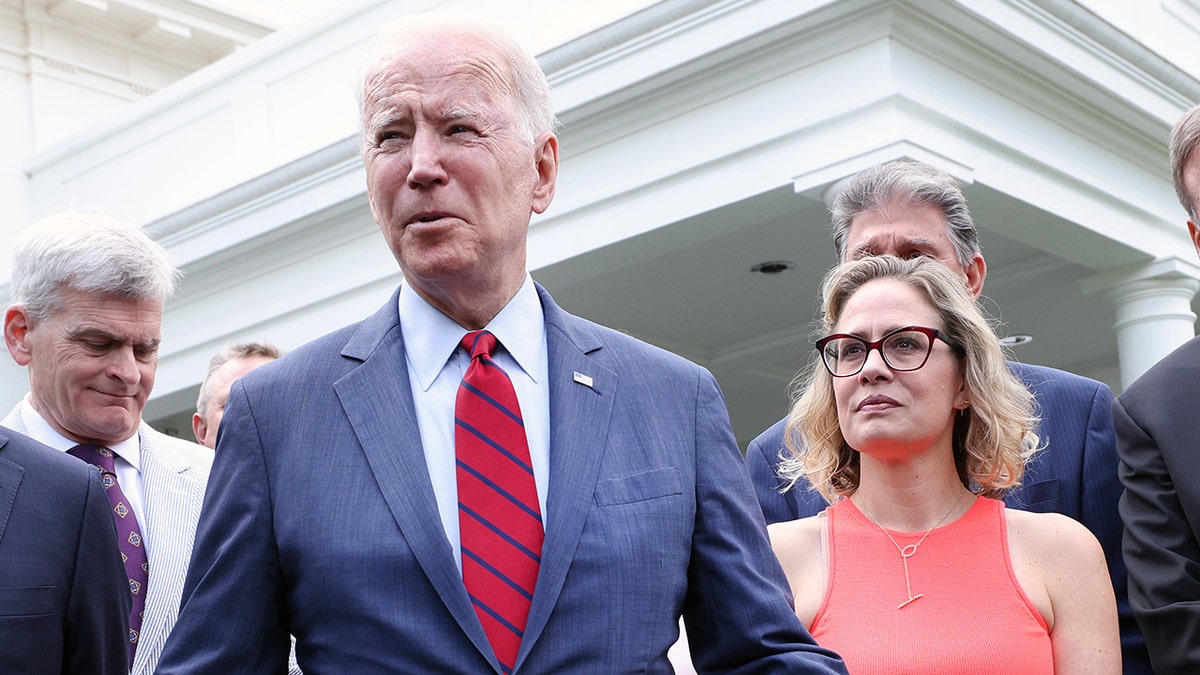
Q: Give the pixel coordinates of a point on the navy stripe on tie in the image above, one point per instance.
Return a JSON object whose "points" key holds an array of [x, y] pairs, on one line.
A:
{"points": [[497, 573], [516, 631], [500, 533], [516, 417], [499, 448], [499, 490]]}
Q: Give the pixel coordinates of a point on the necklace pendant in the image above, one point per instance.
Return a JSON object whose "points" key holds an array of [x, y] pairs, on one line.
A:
{"points": [[910, 601]]}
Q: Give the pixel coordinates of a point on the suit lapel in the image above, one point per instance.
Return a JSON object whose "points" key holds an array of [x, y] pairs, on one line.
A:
{"points": [[171, 500], [378, 401], [10, 480], [578, 436]]}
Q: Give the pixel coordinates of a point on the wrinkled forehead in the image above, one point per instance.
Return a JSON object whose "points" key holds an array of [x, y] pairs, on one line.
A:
{"points": [[904, 235], [441, 61]]}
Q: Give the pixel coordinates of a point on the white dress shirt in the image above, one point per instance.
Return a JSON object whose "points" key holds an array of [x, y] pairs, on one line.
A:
{"points": [[435, 368], [125, 465]]}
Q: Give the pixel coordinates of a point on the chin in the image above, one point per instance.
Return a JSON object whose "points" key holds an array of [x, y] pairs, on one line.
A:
{"points": [[115, 431]]}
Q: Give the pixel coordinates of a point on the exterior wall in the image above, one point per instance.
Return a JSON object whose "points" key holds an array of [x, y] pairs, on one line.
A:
{"points": [[693, 131]]}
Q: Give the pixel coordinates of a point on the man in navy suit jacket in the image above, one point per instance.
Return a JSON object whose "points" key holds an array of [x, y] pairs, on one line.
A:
{"points": [[332, 511], [64, 596], [907, 208], [1158, 432]]}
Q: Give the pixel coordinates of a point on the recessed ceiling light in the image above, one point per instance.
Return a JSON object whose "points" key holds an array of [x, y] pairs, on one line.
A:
{"points": [[1014, 340], [773, 267]]}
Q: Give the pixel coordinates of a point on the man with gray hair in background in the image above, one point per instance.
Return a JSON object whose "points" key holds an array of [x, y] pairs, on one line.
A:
{"points": [[907, 209], [1157, 431], [227, 365], [86, 322]]}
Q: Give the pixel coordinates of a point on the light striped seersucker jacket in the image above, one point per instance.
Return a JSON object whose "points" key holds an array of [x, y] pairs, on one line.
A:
{"points": [[174, 474]]}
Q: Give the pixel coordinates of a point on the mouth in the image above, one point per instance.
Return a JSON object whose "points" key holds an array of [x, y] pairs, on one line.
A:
{"points": [[877, 403], [116, 395], [428, 217]]}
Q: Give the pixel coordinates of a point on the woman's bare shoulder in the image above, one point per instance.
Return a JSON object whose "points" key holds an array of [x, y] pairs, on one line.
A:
{"points": [[1050, 533], [794, 538]]}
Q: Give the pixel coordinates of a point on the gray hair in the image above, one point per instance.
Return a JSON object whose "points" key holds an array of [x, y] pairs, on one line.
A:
{"points": [[911, 183], [237, 350], [90, 253], [528, 85], [1185, 136]]}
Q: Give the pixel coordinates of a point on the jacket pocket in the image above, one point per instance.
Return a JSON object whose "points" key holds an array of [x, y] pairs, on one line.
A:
{"points": [[639, 487], [34, 601]]}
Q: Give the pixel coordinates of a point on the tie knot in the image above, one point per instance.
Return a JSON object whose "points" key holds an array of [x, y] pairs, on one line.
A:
{"points": [[479, 343], [96, 455]]}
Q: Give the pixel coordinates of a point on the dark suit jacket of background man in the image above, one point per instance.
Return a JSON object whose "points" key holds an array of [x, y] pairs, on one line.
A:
{"points": [[1075, 474], [1158, 438], [320, 518], [64, 595]]}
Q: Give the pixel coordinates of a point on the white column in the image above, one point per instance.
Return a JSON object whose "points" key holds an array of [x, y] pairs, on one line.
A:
{"points": [[1153, 307]]}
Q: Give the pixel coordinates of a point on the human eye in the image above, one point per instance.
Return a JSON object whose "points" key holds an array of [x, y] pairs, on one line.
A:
{"points": [[386, 138], [98, 346], [95, 343], [390, 135], [145, 352], [907, 342], [462, 130], [849, 349]]}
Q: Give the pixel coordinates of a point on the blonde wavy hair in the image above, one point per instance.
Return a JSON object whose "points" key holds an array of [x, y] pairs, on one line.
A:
{"points": [[993, 439]]}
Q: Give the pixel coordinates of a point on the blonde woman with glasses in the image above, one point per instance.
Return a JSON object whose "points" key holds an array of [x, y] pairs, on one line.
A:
{"points": [[911, 426]]}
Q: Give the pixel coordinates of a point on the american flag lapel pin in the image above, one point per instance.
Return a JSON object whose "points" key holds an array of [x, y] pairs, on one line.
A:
{"points": [[585, 380]]}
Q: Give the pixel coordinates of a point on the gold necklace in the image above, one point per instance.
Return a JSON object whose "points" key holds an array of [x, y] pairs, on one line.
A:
{"points": [[909, 551]]}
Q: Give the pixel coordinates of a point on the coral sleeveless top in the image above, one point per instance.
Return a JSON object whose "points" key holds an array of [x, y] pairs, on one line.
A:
{"points": [[972, 617]]}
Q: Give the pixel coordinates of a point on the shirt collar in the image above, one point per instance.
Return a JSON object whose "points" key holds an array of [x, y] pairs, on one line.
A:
{"points": [[40, 430], [430, 337]]}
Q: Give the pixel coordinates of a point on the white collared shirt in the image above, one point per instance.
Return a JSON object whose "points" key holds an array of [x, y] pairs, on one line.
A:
{"points": [[127, 464], [435, 368]]}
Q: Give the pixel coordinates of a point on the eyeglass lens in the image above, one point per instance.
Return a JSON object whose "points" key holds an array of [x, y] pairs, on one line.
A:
{"points": [[905, 350]]}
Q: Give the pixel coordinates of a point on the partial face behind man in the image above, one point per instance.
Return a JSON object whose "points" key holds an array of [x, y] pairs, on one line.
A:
{"points": [[1191, 183], [205, 425], [906, 230], [91, 362], [452, 176]]}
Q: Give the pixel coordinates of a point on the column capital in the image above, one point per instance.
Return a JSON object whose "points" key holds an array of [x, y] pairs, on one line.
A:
{"points": [[1170, 271], [1152, 306]]}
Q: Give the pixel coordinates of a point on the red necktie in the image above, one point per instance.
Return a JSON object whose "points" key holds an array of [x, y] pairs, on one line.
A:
{"points": [[129, 535], [500, 522]]}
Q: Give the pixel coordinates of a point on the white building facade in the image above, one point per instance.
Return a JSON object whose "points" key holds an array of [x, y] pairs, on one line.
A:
{"points": [[699, 139]]}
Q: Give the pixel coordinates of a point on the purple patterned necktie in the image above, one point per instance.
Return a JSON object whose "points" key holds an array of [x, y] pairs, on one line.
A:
{"points": [[129, 535]]}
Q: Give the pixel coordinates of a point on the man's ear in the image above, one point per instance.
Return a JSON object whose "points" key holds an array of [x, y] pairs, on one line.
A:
{"points": [[546, 161], [17, 326], [199, 429], [976, 273], [1194, 235]]}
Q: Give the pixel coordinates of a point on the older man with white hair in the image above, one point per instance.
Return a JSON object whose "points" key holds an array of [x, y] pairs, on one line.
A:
{"points": [[86, 322]]}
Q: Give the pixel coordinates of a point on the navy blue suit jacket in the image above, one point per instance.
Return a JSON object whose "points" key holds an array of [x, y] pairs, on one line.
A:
{"points": [[64, 595], [1158, 440], [320, 519], [1076, 475]]}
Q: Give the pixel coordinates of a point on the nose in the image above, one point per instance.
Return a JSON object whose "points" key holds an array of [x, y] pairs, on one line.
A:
{"points": [[874, 367], [425, 157], [123, 365]]}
